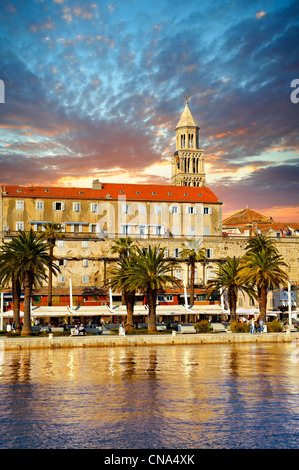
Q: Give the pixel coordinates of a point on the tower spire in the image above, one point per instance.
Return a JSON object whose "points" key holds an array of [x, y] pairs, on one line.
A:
{"points": [[188, 159]]}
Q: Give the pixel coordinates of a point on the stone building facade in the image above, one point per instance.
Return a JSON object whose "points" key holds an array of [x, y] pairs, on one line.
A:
{"points": [[163, 215]]}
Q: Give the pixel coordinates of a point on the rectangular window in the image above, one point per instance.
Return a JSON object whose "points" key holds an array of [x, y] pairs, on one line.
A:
{"points": [[175, 230], [85, 279], [60, 243], [176, 252], [84, 244], [158, 209], [142, 209], [58, 206], [206, 230], [126, 229], [191, 230], [178, 273], [62, 262], [39, 205], [175, 210], [20, 226], [20, 205], [85, 263], [209, 253], [61, 278], [206, 210], [94, 207], [125, 208], [76, 206], [190, 210]]}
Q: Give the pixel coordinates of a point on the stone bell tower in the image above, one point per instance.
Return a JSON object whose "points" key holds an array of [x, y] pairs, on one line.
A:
{"points": [[187, 164]]}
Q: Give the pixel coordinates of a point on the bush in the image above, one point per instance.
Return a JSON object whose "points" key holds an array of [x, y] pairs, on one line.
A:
{"points": [[237, 327], [203, 327], [274, 326]]}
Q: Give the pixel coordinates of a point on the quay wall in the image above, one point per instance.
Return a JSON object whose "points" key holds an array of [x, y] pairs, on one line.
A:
{"points": [[108, 341]]}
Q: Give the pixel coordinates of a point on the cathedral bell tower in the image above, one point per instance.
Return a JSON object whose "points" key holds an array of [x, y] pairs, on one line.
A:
{"points": [[187, 164]]}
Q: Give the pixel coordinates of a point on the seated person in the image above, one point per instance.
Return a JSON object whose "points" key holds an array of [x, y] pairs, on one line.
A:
{"points": [[82, 329]]}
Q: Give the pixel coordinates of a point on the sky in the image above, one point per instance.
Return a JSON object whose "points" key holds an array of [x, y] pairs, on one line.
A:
{"points": [[95, 89]]}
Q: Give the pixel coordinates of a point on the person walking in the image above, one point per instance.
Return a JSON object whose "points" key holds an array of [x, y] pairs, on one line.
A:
{"points": [[252, 326]]}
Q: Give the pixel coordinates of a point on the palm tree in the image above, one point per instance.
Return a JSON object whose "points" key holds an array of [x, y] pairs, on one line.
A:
{"points": [[227, 279], [149, 272], [123, 247], [260, 242], [262, 269], [27, 257], [50, 233], [118, 277], [7, 275], [191, 254]]}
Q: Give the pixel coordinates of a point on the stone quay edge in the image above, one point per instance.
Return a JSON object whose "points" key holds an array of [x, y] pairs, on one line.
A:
{"points": [[105, 341]]}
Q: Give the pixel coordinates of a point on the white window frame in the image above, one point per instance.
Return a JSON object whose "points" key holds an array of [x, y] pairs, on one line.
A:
{"points": [[125, 208], [85, 279], [191, 210], [142, 209], [84, 243], [62, 208], [76, 206], [61, 278], [125, 229], [209, 253], [19, 205], [19, 226], [60, 243], [206, 230], [39, 205], [94, 207], [85, 262], [158, 209], [206, 210], [175, 210]]}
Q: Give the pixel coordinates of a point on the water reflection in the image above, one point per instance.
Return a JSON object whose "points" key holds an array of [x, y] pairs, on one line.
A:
{"points": [[208, 396]]}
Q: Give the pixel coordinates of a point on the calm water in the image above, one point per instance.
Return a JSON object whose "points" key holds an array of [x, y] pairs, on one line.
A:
{"points": [[173, 397]]}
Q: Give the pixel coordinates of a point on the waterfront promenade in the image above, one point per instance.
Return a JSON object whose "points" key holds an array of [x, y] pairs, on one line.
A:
{"points": [[108, 341]]}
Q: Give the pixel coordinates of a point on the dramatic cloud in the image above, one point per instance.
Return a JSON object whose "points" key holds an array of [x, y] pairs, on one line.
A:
{"points": [[95, 90]]}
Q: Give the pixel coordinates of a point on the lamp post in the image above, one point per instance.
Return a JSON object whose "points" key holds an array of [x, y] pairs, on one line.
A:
{"points": [[290, 303]]}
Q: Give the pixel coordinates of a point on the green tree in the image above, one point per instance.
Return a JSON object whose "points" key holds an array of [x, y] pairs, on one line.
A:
{"points": [[118, 279], [150, 272], [260, 242], [192, 253], [123, 247], [28, 258], [227, 279], [8, 276], [51, 233], [263, 270]]}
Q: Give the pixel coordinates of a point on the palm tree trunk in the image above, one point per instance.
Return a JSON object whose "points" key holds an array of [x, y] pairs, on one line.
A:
{"points": [[16, 294], [192, 269], [262, 299], [130, 301], [151, 299], [232, 301], [50, 284], [27, 330]]}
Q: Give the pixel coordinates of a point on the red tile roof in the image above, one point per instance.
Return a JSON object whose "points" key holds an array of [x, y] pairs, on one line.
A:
{"points": [[246, 216], [110, 191]]}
